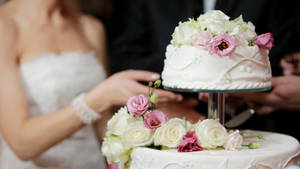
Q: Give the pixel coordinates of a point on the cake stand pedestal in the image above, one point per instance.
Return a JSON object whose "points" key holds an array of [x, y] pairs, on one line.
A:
{"points": [[216, 99]]}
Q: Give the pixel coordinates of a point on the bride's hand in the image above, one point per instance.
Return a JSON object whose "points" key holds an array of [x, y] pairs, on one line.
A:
{"points": [[186, 108], [118, 88]]}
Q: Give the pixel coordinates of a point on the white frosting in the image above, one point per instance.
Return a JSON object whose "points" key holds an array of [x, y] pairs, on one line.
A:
{"points": [[276, 152], [191, 67]]}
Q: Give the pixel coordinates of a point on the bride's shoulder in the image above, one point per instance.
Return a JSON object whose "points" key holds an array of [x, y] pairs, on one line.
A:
{"points": [[93, 28], [8, 26], [8, 29], [8, 40], [7, 23]]}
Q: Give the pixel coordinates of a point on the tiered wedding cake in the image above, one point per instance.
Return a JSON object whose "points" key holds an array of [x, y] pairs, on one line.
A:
{"points": [[214, 52], [211, 53]]}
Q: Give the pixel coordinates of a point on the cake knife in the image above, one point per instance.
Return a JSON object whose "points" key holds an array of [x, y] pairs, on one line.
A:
{"points": [[240, 118]]}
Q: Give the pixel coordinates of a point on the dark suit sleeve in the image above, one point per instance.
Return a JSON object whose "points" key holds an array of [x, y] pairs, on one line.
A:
{"points": [[128, 36], [282, 23]]}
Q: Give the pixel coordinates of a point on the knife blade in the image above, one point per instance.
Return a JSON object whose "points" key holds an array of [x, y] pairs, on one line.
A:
{"points": [[240, 118]]}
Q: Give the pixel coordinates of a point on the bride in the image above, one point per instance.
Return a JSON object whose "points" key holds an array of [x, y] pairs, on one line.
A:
{"points": [[53, 62]]}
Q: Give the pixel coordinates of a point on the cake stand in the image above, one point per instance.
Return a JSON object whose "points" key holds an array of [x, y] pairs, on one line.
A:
{"points": [[216, 99]]}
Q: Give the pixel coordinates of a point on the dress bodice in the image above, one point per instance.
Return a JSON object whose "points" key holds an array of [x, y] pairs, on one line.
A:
{"points": [[51, 82]]}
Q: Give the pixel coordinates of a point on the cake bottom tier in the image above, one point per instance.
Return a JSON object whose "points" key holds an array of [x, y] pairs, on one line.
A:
{"points": [[276, 152]]}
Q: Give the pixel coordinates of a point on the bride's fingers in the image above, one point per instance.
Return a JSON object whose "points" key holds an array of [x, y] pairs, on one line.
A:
{"points": [[163, 100], [163, 95], [190, 102], [203, 97], [167, 95], [141, 75]]}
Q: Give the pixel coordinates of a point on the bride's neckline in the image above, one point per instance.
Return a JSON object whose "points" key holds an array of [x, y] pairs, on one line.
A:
{"points": [[62, 54]]}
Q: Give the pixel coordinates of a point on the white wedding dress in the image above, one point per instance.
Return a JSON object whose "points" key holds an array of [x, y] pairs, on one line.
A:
{"points": [[51, 83]]}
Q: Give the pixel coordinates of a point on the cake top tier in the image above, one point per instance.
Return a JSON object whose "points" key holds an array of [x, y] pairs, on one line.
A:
{"points": [[214, 53], [218, 34]]}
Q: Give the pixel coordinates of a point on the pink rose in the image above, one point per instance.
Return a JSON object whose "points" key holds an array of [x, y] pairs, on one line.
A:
{"points": [[138, 105], [264, 41], [234, 141], [189, 143], [222, 45], [113, 166], [155, 119], [202, 39]]}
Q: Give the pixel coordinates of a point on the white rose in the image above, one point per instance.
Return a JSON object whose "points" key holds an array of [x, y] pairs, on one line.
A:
{"points": [[190, 126], [118, 123], [214, 21], [114, 150], [210, 133], [185, 32], [171, 133], [241, 30], [234, 141], [136, 134], [249, 31], [213, 15]]}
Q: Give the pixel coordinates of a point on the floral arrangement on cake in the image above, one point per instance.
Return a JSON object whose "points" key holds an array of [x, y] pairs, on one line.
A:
{"points": [[140, 124], [214, 32]]}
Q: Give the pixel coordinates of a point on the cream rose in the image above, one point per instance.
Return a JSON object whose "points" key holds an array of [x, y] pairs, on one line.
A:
{"points": [[114, 150], [210, 133], [137, 134], [171, 133], [243, 31], [119, 122], [214, 21], [213, 15], [234, 141], [185, 32], [190, 126]]}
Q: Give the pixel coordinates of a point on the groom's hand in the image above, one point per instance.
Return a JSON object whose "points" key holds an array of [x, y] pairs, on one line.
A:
{"points": [[284, 95]]}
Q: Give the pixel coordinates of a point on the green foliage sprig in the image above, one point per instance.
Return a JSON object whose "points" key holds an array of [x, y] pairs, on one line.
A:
{"points": [[153, 97]]}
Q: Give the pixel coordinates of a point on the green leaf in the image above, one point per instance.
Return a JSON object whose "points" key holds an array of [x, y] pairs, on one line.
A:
{"points": [[251, 42], [154, 99], [157, 83], [260, 137], [155, 147], [150, 84], [254, 145]]}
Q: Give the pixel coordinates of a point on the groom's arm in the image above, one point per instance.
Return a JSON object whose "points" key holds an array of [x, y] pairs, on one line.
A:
{"points": [[128, 36]]}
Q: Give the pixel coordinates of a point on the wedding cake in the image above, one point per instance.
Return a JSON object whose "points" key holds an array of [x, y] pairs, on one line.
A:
{"points": [[140, 137], [215, 53], [277, 151], [211, 53]]}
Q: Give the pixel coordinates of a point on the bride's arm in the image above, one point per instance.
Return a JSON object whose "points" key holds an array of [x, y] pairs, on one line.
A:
{"points": [[28, 137]]}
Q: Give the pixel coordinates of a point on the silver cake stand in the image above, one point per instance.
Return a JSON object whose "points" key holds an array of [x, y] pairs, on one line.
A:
{"points": [[216, 99]]}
